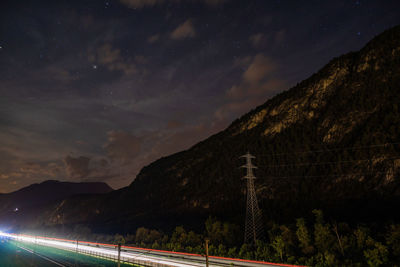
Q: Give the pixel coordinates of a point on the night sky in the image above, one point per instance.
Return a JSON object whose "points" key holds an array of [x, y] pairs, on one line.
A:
{"points": [[95, 90]]}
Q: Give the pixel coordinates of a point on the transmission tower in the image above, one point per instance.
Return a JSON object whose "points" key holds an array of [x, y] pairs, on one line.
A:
{"points": [[253, 227]]}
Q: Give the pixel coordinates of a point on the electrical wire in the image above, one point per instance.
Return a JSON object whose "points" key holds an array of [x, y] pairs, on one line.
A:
{"points": [[331, 150], [326, 175], [323, 163]]}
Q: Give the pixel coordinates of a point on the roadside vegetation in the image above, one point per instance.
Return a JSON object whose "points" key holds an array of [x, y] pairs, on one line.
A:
{"points": [[313, 243]]}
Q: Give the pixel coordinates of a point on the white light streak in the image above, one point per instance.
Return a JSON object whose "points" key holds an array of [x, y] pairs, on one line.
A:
{"points": [[107, 252]]}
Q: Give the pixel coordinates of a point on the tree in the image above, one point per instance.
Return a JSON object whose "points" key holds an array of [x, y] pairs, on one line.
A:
{"points": [[393, 240], [82, 231], [323, 236], [377, 255], [193, 239], [218, 232], [119, 239], [303, 237], [245, 252], [141, 235], [153, 236], [279, 246]]}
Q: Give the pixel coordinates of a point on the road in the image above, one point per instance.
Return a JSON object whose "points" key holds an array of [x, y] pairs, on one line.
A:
{"points": [[140, 256]]}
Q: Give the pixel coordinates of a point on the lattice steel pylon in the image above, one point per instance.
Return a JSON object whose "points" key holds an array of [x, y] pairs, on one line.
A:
{"points": [[253, 227]]}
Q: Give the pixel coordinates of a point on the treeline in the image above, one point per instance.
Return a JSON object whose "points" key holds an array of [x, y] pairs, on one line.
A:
{"points": [[314, 243]]}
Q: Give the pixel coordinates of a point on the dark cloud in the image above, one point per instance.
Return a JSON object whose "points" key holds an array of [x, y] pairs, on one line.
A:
{"points": [[122, 146], [89, 169], [77, 167]]}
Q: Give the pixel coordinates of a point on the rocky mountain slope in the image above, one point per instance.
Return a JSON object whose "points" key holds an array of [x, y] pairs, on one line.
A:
{"points": [[318, 144], [330, 142]]}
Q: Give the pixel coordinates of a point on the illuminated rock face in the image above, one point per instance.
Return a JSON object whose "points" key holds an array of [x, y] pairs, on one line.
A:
{"points": [[352, 102]]}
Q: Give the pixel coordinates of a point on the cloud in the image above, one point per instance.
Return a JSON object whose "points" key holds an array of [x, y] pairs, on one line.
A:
{"points": [[100, 170], [122, 146], [77, 167], [30, 172], [111, 58], [183, 31], [242, 98], [247, 91], [154, 38], [128, 153], [258, 69], [174, 124], [4, 176], [258, 82], [85, 169]]}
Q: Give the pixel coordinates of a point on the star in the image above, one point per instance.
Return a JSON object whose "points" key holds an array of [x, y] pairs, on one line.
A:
{"points": [[94, 66]]}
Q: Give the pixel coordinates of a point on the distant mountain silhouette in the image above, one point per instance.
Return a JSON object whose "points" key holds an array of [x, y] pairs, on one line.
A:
{"points": [[47, 192]]}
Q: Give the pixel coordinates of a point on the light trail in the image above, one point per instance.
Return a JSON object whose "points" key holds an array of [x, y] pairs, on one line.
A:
{"points": [[140, 256]]}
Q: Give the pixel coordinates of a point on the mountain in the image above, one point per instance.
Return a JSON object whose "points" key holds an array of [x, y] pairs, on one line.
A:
{"points": [[317, 145], [32, 197], [330, 142]]}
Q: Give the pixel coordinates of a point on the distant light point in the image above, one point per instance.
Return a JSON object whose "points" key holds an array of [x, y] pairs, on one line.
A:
{"points": [[358, 33], [94, 66]]}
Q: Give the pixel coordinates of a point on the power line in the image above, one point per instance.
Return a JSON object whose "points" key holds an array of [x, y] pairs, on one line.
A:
{"points": [[331, 150], [326, 175], [323, 163]]}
